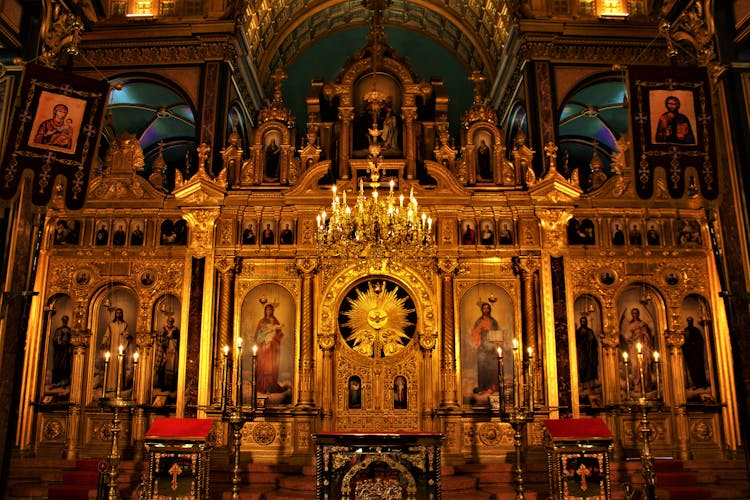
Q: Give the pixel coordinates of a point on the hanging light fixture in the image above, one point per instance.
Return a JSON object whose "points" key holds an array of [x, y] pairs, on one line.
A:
{"points": [[375, 227]]}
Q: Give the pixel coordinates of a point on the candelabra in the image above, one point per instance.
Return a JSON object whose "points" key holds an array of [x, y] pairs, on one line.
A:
{"points": [[117, 405], [522, 411], [235, 414], [642, 405]]}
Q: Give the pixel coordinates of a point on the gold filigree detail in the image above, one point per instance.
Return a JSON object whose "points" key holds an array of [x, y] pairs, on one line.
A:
{"points": [[264, 434]]}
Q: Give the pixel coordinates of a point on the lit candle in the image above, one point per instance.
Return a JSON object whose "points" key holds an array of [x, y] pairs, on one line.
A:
{"points": [[119, 371], [133, 391], [501, 379], [238, 375], [253, 378], [641, 376], [225, 350], [401, 201], [627, 374], [657, 369], [392, 183], [515, 374], [107, 355], [531, 378]]}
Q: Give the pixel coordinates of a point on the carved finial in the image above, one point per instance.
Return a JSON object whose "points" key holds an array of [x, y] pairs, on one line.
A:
{"points": [[203, 151], [278, 78], [477, 78], [551, 151]]}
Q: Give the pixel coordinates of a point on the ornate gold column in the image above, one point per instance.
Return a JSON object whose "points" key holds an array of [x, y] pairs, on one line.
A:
{"points": [[326, 342], [447, 269], [141, 391], [409, 114], [80, 340], [225, 266], [675, 339], [526, 268], [307, 267], [346, 115]]}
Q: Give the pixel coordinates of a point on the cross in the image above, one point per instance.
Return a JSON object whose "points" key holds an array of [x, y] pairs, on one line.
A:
{"points": [[175, 471], [66, 89], [584, 472], [90, 130], [278, 77], [477, 78], [551, 150], [202, 150]]}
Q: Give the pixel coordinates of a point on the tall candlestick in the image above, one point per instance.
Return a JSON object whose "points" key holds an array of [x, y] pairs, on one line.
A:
{"points": [[657, 369], [501, 379], [254, 378], [531, 379], [224, 379], [516, 395], [135, 375], [639, 348], [238, 374], [120, 356], [627, 374], [107, 355]]}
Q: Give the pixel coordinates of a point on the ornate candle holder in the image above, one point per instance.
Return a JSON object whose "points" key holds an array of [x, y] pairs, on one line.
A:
{"points": [[641, 406], [116, 405], [235, 414], [521, 412]]}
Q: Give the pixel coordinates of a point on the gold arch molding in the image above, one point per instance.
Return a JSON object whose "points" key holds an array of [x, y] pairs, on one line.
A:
{"points": [[340, 285], [474, 31]]}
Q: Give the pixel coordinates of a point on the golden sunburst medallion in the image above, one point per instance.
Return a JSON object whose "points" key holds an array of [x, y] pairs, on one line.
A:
{"points": [[377, 318]]}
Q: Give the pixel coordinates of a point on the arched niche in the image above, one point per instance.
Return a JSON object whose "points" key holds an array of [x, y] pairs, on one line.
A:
{"points": [[267, 319], [166, 317], [588, 328], [113, 324], [486, 321], [56, 351], [699, 351], [640, 318]]}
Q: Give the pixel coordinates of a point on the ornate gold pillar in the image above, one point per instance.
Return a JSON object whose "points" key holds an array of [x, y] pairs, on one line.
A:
{"points": [[307, 268], [141, 391], [346, 115], [326, 342], [225, 266], [526, 268], [675, 339], [80, 340], [447, 269], [409, 114]]}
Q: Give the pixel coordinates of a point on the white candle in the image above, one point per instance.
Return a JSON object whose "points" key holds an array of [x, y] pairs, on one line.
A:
{"points": [[515, 374], [531, 379], [238, 375], [639, 348], [225, 351], [253, 378], [627, 374], [501, 379], [135, 375], [120, 357], [107, 355], [657, 368]]}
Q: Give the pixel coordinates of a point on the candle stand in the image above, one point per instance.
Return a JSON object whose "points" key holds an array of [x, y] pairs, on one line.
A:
{"points": [[518, 417], [642, 406], [236, 417], [117, 405]]}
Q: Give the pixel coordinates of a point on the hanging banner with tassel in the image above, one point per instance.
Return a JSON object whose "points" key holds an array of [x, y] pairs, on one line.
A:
{"points": [[673, 129], [55, 131]]}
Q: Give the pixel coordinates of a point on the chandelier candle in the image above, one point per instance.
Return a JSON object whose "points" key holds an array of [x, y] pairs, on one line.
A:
{"points": [[238, 375], [626, 360], [639, 348], [516, 396], [225, 351], [107, 355], [501, 380], [253, 379], [120, 357]]}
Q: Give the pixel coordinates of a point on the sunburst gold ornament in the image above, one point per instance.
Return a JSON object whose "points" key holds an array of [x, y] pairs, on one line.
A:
{"points": [[377, 319]]}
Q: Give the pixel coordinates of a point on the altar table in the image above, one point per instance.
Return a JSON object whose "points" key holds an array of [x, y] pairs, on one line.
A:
{"points": [[383, 466]]}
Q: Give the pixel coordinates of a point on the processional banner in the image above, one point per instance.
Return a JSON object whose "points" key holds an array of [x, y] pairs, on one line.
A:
{"points": [[673, 129], [55, 130]]}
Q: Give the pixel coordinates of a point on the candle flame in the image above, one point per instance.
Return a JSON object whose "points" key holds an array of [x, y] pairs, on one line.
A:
{"points": [[121, 349], [107, 356], [515, 344], [239, 342], [255, 350], [135, 357], [530, 351], [499, 352], [656, 356], [639, 347], [226, 350], [625, 356]]}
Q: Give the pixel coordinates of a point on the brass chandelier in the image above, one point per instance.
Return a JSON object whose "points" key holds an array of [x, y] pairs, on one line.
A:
{"points": [[376, 227]]}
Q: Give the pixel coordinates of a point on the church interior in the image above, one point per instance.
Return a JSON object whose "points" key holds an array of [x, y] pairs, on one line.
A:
{"points": [[375, 249]]}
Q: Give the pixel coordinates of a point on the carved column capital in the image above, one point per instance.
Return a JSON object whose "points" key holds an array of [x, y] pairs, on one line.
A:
{"points": [[675, 338], [307, 265], [80, 339], [226, 265], [326, 341], [448, 266]]}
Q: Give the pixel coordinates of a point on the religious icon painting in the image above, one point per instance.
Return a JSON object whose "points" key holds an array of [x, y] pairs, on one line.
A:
{"points": [[468, 233], [137, 232], [671, 277], [268, 232], [286, 233], [505, 232], [486, 323], [60, 352], [618, 232], [115, 328], [688, 232], [607, 276], [83, 277], [672, 127], [267, 320], [249, 233], [67, 232], [147, 278], [119, 232], [487, 232], [101, 233], [653, 232]]}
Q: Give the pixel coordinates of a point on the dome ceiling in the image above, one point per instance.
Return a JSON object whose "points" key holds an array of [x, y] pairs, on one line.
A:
{"points": [[474, 31]]}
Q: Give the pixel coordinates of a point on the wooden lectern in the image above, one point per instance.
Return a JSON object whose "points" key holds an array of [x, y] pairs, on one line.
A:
{"points": [[179, 458], [578, 458]]}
